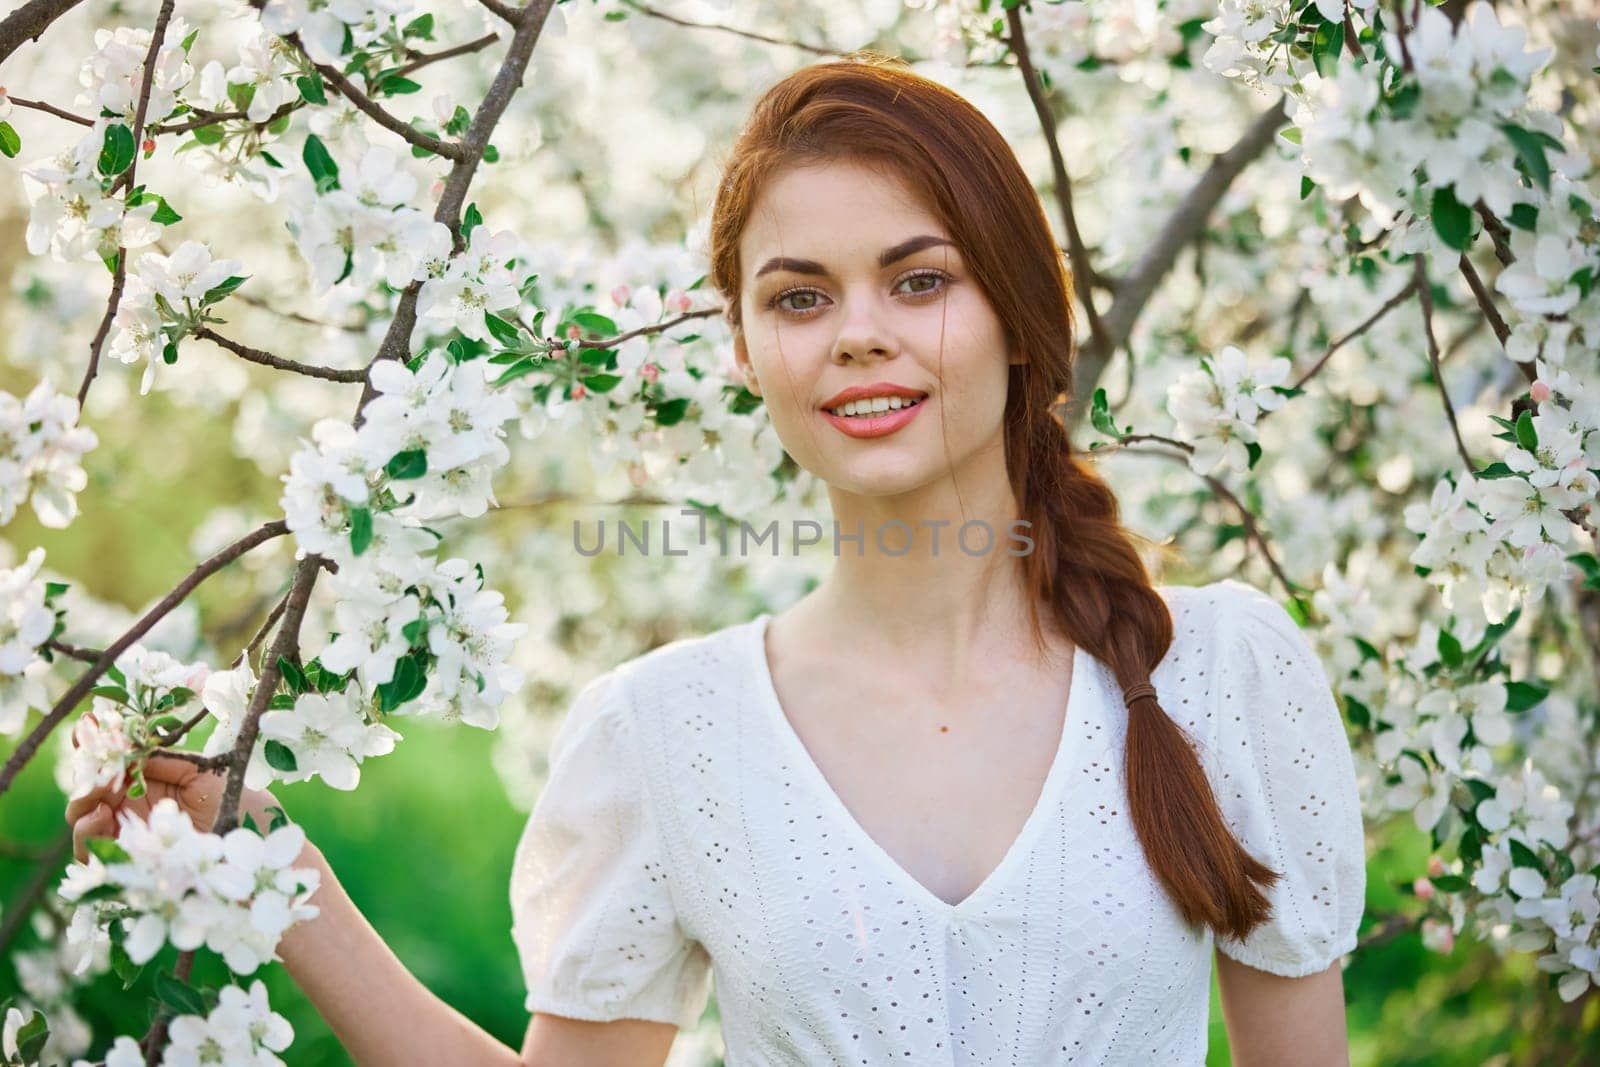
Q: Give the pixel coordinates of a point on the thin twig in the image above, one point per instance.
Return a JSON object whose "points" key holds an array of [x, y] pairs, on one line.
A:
{"points": [[422, 59], [63, 707], [249, 650], [369, 107], [120, 274], [1425, 295], [1344, 339], [267, 359], [60, 113], [88, 655], [646, 9]]}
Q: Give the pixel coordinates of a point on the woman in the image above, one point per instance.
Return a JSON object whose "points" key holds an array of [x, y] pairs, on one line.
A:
{"points": [[979, 799]]}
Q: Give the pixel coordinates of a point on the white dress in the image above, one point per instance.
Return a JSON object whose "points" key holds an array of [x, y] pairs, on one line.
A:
{"points": [[685, 833]]}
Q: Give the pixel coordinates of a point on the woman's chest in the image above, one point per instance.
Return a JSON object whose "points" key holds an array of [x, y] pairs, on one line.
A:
{"points": [[788, 889]]}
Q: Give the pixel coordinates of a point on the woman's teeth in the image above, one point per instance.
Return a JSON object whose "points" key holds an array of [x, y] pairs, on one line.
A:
{"points": [[876, 406]]}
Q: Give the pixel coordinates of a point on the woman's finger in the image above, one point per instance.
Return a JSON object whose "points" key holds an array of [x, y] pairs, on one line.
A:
{"points": [[78, 806], [161, 768], [100, 822]]}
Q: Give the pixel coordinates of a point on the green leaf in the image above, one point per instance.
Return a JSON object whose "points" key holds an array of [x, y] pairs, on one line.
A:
{"points": [[503, 331], [515, 371], [112, 692], [1520, 696], [1450, 883], [1527, 436], [10, 141], [414, 631], [459, 121], [278, 818], [595, 323], [241, 93], [123, 966], [1523, 856], [164, 213], [1325, 46], [360, 529], [409, 680], [211, 133], [469, 220], [421, 26], [395, 85], [178, 995], [280, 757], [31, 1037], [1530, 150], [1449, 649], [1590, 565], [323, 169], [406, 465], [1306, 185], [1524, 216], [602, 383], [116, 152], [671, 412], [1497, 469], [1100, 415], [292, 675], [311, 88], [222, 289], [491, 154], [188, 41], [108, 850], [1452, 219]]}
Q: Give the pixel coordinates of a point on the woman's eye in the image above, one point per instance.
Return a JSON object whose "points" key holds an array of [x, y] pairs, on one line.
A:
{"points": [[809, 299]]}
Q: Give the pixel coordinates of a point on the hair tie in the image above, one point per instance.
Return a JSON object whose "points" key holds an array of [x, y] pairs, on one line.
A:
{"points": [[1133, 693]]}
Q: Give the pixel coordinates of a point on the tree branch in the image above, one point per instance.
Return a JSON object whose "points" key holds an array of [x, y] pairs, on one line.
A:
{"points": [[27, 22], [267, 359], [63, 707], [1083, 273], [1186, 222]]}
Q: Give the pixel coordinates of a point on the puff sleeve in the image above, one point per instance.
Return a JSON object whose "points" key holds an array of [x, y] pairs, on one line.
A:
{"points": [[592, 916], [1287, 786]]}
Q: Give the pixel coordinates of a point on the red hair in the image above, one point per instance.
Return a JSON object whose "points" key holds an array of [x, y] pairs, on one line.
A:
{"points": [[1085, 566]]}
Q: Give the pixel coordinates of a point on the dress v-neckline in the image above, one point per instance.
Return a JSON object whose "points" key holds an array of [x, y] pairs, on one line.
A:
{"points": [[1043, 807]]}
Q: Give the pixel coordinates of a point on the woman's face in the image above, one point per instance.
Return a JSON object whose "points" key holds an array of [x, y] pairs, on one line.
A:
{"points": [[850, 280]]}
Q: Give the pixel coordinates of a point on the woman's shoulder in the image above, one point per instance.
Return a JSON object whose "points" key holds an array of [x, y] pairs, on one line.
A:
{"points": [[699, 667]]}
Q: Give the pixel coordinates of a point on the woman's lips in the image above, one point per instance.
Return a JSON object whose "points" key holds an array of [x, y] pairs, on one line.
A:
{"points": [[875, 425]]}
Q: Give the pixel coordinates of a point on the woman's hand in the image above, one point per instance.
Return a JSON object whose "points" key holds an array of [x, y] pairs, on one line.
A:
{"points": [[198, 793]]}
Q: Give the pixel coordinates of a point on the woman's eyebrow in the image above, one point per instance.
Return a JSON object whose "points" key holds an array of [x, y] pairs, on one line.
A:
{"points": [[888, 257]]}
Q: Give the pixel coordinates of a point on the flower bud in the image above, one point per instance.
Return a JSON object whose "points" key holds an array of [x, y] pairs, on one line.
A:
{"points": [[650, 371], [1435, 866], [620, 295], [1423, 888]]}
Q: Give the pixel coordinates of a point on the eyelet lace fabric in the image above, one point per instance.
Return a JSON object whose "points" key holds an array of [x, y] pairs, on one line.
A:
{"points": [[685, 841]]}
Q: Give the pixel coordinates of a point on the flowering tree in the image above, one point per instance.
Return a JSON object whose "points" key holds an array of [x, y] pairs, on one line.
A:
{"points": [[1375, 216]]}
